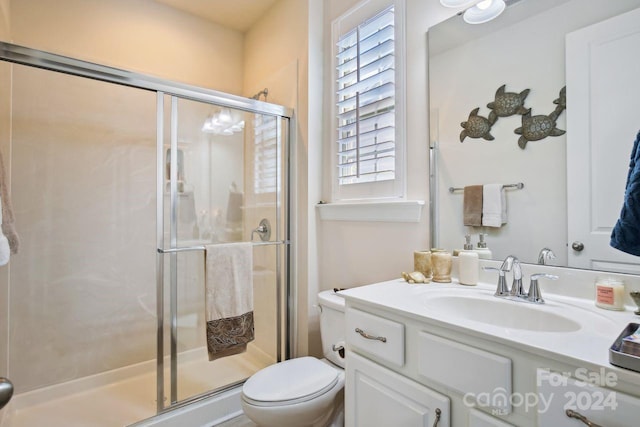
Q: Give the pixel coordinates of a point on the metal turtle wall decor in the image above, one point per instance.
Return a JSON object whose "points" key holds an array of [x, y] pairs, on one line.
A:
{"points": [[477, 126], [562, 100], [507, 104], [535, 128]]}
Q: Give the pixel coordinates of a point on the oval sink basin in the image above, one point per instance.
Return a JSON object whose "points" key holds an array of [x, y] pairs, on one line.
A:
{"points": [[502, 313]]}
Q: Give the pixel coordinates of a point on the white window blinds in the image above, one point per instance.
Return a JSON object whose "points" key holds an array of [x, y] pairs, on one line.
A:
{"points": [[366, 101], [266, 163]]}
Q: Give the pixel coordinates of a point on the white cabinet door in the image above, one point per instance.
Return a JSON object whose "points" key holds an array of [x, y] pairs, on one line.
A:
{"points": [[602, 122], [480, 419], [378, 397], [599, 405]]}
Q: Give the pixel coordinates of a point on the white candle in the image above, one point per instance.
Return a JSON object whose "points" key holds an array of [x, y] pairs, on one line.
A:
{"points": [[610, 294]]}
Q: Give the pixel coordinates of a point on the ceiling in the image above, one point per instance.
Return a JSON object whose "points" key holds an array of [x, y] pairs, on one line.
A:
{"points": [[236, 14]]}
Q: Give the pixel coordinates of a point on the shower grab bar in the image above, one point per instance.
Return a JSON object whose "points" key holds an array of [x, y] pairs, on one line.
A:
{"points": [[202, 248]]}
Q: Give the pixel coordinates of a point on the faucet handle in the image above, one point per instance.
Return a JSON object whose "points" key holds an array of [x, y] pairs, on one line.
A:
{"points": [[534, 294], [501, 272], [517, 290], [502, 290]]}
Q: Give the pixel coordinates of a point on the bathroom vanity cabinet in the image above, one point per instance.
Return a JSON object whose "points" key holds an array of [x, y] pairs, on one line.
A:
{"points": [[378, 396], [403, 364]]}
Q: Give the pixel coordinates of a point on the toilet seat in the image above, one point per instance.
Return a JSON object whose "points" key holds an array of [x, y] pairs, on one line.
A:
{"points": [[290, 382]]}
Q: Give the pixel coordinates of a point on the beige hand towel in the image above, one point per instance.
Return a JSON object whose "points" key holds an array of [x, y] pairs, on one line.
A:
{"points": [[229, 298], [472, 205], [494, 206]]}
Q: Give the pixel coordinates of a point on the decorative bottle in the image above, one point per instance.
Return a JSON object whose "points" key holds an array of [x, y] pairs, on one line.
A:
{"points": [[481, 248], [468, 264], [441, 261]]}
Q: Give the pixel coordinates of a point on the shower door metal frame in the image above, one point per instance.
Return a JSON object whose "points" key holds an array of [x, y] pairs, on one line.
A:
{"points": [[49, 61]]}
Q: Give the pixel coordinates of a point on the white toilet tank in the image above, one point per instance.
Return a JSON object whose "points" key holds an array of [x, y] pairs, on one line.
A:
{"points": [[332, 325]]}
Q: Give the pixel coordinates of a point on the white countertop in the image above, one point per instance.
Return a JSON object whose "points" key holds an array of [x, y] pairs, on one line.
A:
{"points": [[587, 347]]}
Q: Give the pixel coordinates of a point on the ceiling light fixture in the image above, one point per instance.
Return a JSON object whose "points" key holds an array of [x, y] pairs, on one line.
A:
{"points": [[484, 11], [457, 3], [223, 123]]}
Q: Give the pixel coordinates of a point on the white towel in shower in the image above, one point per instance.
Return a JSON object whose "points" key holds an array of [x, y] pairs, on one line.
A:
{"points": [[5, 250], [229, 298], [494, 205]]}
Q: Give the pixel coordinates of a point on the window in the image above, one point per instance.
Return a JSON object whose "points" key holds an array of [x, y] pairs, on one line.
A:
{"points": [[369, 93], [266, 162]]}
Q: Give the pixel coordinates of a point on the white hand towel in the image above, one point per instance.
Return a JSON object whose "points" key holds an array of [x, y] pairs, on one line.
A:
{"points": [[5, 250], [503, 199], [8, 220], [494, 206], [229, 298]]}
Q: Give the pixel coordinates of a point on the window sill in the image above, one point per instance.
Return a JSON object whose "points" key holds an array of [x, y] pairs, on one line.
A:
{"points": [[400, 211]]}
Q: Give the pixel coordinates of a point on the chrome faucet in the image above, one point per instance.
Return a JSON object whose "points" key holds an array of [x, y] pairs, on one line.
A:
{"points": [[517, 292], [545, 255]]}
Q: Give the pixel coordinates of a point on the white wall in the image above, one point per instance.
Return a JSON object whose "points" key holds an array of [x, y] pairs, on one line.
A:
{"points": [[136, 35], [525, 55], [277, 57]]}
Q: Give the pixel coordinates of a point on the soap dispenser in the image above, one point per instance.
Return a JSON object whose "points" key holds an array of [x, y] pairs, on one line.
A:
{"points": [[481, 248], [468, 264]]}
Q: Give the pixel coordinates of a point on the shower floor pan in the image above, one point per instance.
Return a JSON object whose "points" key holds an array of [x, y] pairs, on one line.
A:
{"points": [[124, 396]]}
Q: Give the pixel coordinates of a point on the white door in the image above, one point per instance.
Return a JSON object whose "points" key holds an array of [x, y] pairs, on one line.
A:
{"points": [[378, 397], [603, 101]]}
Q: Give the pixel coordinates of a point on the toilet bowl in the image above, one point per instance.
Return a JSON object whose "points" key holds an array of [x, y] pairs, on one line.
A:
{"points": [[304, 391], [295, 393]]}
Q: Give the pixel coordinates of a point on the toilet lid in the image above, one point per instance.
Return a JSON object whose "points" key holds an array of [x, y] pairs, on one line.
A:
{"points": [[296, 380]]}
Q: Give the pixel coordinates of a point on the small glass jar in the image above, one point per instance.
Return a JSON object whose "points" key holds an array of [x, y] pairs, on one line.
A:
{"points": [[441, 261], [610, 294], [422, 262]]}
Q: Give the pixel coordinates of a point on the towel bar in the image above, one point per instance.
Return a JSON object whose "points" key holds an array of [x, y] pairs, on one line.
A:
{"points": [[518, 186], [202, 248]]}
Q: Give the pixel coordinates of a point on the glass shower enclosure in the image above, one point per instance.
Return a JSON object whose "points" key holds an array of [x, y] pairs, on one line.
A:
{"points": [[119, 182]]}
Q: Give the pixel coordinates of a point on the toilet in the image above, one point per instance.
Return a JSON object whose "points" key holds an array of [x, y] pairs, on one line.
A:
{"points": [[304, 391]]}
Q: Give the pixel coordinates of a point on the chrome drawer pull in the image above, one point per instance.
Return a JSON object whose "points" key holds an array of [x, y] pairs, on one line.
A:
{"points": [[577, 416], [370, 337], [438, 413]]}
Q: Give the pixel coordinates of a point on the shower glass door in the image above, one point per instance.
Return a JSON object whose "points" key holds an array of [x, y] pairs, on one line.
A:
{"points": [[117, 187], [227, 187], [81, 315]]}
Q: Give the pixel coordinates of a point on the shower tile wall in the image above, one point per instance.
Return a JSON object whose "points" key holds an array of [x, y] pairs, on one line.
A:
{"points": [[83, 171]]}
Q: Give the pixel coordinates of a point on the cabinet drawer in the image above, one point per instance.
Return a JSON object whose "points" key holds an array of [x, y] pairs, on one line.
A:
{"points": [[599, 405], [479, 376], [380, 337], [480, 419]]}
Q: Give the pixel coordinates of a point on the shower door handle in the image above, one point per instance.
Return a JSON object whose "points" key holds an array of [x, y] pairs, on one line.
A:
{"points": [[6, 391]]}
